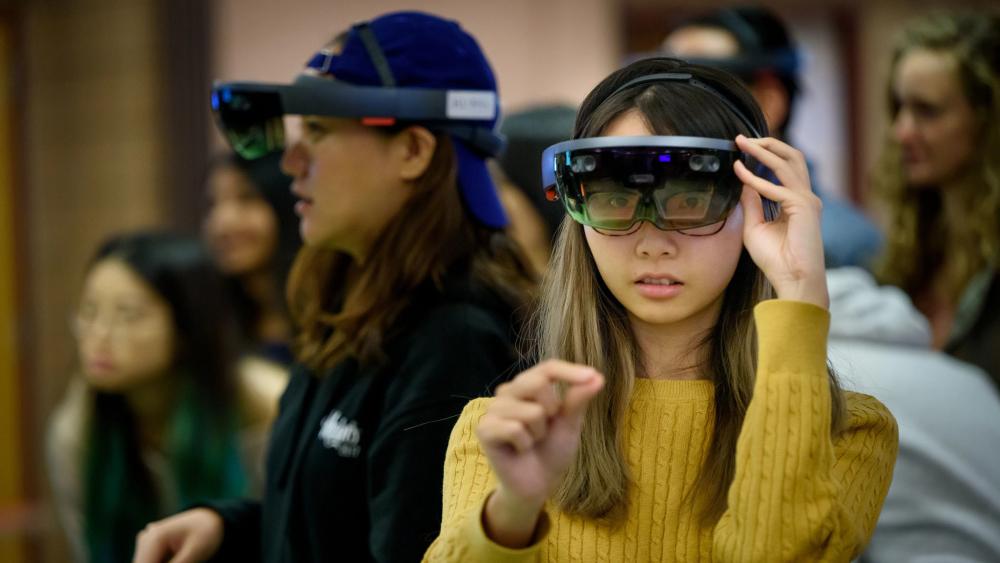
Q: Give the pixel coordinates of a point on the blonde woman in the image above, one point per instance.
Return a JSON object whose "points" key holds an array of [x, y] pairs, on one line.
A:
{"points": [[682, 409], [940, 180]]}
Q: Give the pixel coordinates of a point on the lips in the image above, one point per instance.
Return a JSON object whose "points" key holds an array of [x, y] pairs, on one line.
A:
{"points": [[658, 286], [304, 204], [100, 366], [911, 155], [302, 207], [234, 241], [657, 279]]}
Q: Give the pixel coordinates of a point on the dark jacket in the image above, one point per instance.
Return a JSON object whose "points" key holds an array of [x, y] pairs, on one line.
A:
{"points": [[355, 464], [975, 337]]}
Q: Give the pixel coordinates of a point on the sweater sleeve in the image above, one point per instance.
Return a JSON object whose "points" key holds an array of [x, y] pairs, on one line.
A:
{"points": [[799, 494], [468, 482]]}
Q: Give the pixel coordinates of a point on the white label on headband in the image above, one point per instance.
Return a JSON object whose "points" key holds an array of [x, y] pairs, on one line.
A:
{"points": [[471, 104]]}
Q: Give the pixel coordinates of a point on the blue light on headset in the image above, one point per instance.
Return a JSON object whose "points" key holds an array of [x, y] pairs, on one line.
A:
{"points": [[664, 158]]}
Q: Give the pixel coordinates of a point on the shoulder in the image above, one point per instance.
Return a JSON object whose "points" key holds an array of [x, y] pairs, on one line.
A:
{"points": [[68, 421], [459, 301], [462, 319], [867, 416], [475, 409], [862, 408], [451, 332], [463, 433], [866, 444], [260, 385], [454, 352], [66, 438]]}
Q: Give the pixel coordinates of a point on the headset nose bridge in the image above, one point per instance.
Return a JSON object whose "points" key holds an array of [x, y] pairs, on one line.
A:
{"points": [[646, 209]]}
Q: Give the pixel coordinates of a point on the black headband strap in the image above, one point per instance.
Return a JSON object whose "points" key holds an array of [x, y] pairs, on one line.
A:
{"points": [[687, 78], [375, 54], [745, 34]]}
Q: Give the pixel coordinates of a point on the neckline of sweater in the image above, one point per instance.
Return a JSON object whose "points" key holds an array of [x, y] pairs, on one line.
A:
{"points": [[673, 389]]}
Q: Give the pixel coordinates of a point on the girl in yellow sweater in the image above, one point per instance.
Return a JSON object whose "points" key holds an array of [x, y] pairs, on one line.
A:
{"points": [[681, 412]]}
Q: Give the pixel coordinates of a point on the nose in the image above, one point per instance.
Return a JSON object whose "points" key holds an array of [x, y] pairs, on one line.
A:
{"points": [[903, 127], [95, 333], [654, 243], [222, 215], [294, 161]]}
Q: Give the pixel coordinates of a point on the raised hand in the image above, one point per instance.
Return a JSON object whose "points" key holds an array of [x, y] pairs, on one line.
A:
{"points": [[530, 435], [789, 250]]}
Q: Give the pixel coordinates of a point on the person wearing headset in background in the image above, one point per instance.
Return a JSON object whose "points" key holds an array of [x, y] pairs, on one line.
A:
{"points": [[753, 43], [405, 294]]}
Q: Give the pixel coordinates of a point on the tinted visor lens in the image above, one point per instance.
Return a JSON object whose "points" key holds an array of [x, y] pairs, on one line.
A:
{"points": [[251, 120], [675, 189]]}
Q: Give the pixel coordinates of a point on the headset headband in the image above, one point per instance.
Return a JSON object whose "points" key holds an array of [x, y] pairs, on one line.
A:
{"points": [[687, 78]]}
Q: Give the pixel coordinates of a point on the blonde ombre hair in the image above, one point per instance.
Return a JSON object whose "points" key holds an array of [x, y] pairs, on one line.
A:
{"points": [[579, 320]]}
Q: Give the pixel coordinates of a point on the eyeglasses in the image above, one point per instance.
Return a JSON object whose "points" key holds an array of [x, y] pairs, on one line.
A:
{"points": [[703, 231], [119, 325]]}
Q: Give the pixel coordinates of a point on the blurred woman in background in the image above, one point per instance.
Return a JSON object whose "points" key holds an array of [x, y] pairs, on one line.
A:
{"points": [[160, 415], [939, 176], [253, 233]]}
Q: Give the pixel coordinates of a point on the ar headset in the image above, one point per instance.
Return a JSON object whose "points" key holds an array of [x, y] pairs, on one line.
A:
{"points": [[250, 113], [684, 184]]}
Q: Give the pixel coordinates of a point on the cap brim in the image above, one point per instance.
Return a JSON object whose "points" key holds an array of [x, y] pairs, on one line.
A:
{"points": [[478, 190]]}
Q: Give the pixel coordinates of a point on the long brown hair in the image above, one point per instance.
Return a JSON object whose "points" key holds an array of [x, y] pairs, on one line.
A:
{"points": [[344, 308], [920, 237], [579, 320]]}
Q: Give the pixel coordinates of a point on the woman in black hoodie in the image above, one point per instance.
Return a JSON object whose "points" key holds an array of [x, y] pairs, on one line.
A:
{"points": [[405, 295]]}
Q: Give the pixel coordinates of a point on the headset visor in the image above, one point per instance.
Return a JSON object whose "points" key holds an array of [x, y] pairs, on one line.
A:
{"points": [[613, 183], [250, 113]]}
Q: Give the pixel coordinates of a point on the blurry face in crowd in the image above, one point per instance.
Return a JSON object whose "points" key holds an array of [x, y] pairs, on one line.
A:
{"points": [[347, 178], [240, 228], [935, 124], [699, 41], [715, 43], [637, 267], [124, 330]]}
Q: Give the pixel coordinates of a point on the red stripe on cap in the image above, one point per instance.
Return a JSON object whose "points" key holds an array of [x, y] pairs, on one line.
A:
{"points": [[378, 121]]}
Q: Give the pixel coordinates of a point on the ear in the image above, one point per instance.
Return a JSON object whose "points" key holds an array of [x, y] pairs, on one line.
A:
{"points": [[414, 148], [772, 97]]}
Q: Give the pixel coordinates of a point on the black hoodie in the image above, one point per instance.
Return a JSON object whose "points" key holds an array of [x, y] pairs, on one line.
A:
{"points": [[356, 458]]}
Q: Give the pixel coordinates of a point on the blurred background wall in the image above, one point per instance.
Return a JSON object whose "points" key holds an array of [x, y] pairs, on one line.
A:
{"points": [[104, 126]]}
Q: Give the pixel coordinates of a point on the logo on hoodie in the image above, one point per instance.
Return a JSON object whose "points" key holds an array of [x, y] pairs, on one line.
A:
{"points": [[339, 433]]}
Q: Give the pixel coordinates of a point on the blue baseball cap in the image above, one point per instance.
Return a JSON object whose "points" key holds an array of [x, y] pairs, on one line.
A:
{"points": [[407, 50]]}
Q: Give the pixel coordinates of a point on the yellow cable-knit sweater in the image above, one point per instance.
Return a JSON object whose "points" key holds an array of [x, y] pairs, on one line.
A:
{"points": [[798, 494]]}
